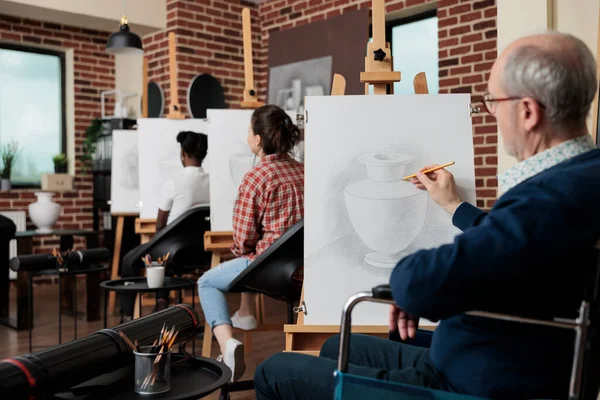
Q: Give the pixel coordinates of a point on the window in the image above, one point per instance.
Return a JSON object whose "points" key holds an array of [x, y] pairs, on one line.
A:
{"points": [[414, 42], [32, 109]]}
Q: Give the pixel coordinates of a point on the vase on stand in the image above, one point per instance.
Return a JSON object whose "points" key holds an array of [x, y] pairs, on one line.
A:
{"points": [[386, 212], [44, 212]]}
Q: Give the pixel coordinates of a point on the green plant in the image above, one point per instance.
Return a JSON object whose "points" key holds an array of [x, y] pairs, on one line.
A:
{"points": [[60, 160], [9, 153], [92, 134]]}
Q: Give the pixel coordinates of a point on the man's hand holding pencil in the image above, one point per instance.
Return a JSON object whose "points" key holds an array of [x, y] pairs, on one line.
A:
{"points": [[441, 186]]}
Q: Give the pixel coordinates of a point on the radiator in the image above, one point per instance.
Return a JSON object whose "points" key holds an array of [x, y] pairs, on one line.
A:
{"points": [[20, 220]]}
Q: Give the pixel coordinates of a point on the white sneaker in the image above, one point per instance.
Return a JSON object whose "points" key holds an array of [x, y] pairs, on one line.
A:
{"points": [[244, 323], [234, 358]]}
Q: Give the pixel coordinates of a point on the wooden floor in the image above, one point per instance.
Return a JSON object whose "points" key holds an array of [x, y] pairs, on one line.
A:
{"points": [[45, 333]]}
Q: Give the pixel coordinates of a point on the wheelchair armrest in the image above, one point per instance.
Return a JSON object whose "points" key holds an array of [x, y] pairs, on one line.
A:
{"points": [[383, 292]]}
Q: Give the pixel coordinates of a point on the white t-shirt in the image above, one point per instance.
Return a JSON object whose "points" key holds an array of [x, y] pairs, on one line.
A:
{"points": [[188, 190]]}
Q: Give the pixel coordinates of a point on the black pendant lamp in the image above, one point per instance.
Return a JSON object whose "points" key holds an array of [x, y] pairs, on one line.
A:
{"points": [[124, 41]]}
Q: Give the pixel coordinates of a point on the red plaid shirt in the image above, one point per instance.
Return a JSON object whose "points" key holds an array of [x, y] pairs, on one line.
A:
{"points": [[269, 202]]}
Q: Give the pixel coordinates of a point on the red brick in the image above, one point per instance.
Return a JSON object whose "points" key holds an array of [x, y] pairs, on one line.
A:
{"points": [[461, 70], [460, 30], [475, 37], [470, 17], [472, 79], [485, 45], [461, 9], [486, 171], [447, 22], [492, 182], [485, 150], [490, 12], [447, 43], [460, 50], [485, 129], [449, 82], [485, 193], [471, 59]]}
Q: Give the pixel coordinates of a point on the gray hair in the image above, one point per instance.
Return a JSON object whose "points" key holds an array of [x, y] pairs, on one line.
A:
{"points": [[560, 75]]}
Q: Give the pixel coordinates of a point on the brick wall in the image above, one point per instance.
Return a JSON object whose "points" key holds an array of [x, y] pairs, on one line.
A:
{"points": [[467, 48], [209, 40], [94, 71]]}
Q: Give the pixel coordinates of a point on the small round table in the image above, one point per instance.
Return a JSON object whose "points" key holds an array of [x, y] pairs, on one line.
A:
{"points": [[191, 379], [140, 285]]}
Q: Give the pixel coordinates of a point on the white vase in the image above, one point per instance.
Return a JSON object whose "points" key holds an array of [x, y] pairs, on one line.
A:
{"points": [[5, 184], [387, 213], [44, 212]]}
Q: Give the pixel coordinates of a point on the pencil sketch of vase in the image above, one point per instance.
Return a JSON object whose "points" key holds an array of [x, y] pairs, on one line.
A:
{"points": [[386, 212], [239, 165], [129, 166]]}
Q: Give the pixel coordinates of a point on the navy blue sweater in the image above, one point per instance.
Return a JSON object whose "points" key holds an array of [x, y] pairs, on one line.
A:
{"points": [[527, 256]]}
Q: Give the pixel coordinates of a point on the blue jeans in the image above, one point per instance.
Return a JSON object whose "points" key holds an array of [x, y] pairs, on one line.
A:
{"points": [[212, 287], [292, 376]]}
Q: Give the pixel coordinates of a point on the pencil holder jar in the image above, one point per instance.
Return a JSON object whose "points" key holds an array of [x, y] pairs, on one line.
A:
{"points": [[152, 371], [155, 275]]}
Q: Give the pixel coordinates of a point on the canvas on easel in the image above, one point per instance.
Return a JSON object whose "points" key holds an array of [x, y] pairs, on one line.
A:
{"points": [[231, 159], [159, 157], [361, 218]]}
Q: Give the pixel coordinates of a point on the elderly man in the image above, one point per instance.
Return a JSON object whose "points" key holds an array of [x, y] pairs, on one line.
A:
{"points": [[527, 256]]}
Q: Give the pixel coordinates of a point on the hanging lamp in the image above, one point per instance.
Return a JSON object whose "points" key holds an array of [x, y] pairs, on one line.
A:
{"points": [[124, 41]]}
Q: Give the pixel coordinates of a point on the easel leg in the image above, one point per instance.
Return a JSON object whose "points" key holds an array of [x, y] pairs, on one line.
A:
{"points": [[137, 307], [114, 273], [207, 341]]}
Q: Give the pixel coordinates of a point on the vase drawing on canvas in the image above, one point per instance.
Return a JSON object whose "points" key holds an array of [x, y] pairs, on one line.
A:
{"points": [[386, 212], [129, 178]]}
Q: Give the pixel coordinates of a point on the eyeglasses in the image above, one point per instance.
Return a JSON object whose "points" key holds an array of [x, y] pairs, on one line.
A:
{"points": [[488, 102]]}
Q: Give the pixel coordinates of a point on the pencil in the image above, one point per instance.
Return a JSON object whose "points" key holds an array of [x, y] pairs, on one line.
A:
{"points": [[428, 170]]}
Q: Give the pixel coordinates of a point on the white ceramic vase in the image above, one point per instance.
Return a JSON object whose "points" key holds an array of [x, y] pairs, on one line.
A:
{"points": [[44, 212], [386, 212], [5, 184]]}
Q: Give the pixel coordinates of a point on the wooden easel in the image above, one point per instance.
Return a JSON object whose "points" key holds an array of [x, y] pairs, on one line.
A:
{"points": [[379, 63], [116, 261], [308, 339], [250, 99], [219, 243], [174, 107]]}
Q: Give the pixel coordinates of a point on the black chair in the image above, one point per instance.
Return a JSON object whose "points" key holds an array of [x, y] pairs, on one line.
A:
{"points": [[183, 238], [273, 274]]}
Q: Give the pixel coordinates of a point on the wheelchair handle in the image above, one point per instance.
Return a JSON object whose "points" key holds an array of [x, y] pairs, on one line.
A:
{"points": [[378, 295]]}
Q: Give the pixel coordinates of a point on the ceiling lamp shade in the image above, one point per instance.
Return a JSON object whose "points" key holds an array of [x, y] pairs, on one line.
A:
{"points": [[124, 41]]}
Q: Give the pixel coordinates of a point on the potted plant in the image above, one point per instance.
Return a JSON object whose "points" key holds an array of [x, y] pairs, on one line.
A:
{"points": [[60, 163], [92, 134], [8, 153]]}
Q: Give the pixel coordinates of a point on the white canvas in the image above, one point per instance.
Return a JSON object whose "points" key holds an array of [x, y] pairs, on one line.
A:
{"points": [[231, 159], [125, 188], [358, 225], [159, 157]]}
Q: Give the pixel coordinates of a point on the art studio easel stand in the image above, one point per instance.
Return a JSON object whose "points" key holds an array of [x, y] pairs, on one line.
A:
{"points": [[116, 261], [308, 339], [250, 100], [219, 243]]}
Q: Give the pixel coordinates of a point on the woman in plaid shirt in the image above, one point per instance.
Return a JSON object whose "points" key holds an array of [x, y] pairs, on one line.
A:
{"points": [[270, 200]]}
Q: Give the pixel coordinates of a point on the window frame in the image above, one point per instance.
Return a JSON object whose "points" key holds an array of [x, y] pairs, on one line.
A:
{"points": [[391, 24], [63, 84]]}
